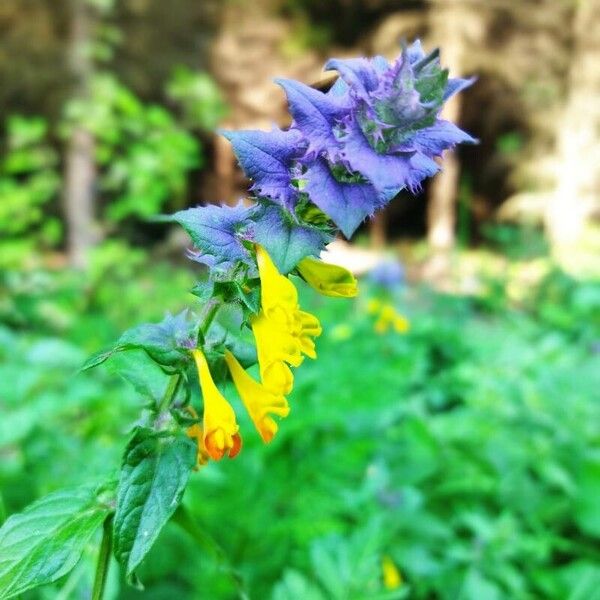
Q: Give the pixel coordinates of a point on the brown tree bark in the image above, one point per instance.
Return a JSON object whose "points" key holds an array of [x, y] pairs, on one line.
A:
{"points": [[577, 191], [443, 192], [447, 31], [80, 173]]}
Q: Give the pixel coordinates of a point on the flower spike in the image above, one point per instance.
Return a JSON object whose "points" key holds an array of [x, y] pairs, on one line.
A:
{"points": [[347, 153]]}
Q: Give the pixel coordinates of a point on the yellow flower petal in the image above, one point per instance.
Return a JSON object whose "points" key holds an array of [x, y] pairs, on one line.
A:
{"points": [[389, 317], [196, 433], [275, 344], [401, 324], [220, 429], [276, 289], [391, 575], [283, 332], [260, 402], [328, 279]]}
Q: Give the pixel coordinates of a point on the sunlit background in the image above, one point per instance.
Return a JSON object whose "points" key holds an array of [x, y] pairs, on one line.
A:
{"points": [[446, 443]]}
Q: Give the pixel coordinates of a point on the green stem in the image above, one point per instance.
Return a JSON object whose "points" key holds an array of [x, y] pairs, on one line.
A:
{"points": [[2, 510], [210, 312], [170, 392], [103, 559]]}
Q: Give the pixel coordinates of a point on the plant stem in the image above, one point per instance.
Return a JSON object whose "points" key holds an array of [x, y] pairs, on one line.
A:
{"points": [[103, 560], [170, 392], [209, 314], [2, 510]]}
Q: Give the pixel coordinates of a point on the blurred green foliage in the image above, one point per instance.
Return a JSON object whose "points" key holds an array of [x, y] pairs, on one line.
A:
{"points": [[198, 97], [144, 154], [466, 450], [29, 180], [522, 241]]}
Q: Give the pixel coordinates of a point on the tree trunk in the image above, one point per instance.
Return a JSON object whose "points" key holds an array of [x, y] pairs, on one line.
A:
{"points": [[443, 191], [446, 20], [577, 191], [80, 173]]}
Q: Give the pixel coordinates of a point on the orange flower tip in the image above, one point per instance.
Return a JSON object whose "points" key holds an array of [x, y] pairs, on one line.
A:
{"points": [[268, 428], [237, 446], [217, 444]]}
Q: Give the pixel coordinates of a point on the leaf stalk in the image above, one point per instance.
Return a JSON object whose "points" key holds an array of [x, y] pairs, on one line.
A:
{"points": [[103, 559]]}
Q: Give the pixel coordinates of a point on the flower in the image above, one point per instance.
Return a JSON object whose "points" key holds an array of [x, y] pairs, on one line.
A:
{"points": [[283, 333], [391, 575], [196, 433], [328, 279], [219, 427], [388, 317], [259, 401]]}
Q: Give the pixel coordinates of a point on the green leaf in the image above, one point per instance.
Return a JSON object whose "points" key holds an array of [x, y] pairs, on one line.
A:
{"points": [[204, 289], [156, 468], [167, 343], [98, 358], [45, 541], [249, 294], [138, 369], [227, 330], [587, 507], [294, 585]]}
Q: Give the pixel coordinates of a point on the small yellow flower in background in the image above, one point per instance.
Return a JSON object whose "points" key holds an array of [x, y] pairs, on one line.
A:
{"points": [[391, 575], [401, 324], [219, 427], [328, 279], [283, 332], [260, 402], [388, 317]]}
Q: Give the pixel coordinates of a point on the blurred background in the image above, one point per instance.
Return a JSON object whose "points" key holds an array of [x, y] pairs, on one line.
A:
{"points": [[446, 443]]}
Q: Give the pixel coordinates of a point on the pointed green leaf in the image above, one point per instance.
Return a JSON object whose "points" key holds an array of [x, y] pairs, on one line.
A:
{"points": [[167, 343], [45, 541], [156, 468]]}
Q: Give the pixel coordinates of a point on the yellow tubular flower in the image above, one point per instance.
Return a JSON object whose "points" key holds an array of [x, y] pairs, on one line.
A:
{"points": [[282, 331], [258, 400], [273, 352], [220, 429], [328, 279], [195, 432]]}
